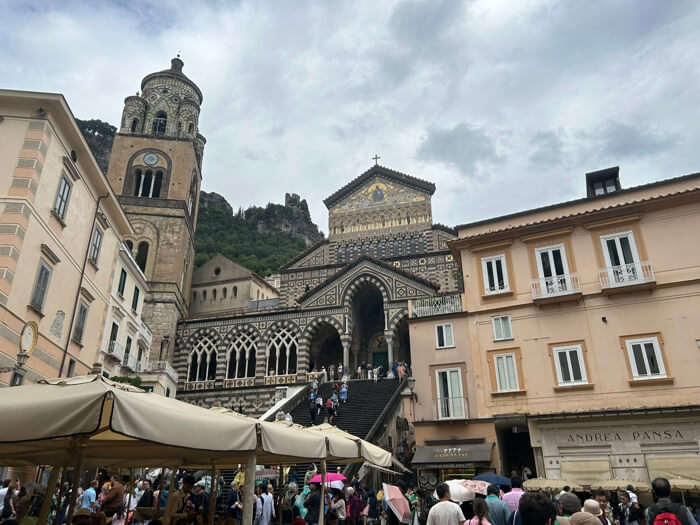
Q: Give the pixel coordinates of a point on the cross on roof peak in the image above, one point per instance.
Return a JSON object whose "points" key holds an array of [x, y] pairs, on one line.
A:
{"points": [[376, 159]]}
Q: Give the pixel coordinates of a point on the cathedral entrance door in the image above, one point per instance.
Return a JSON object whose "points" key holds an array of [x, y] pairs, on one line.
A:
{"points": [[325, 347], [367, 322], [377, 350]]}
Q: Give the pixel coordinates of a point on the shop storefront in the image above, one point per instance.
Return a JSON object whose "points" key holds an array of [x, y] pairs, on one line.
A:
{"points": [[437, 463], [636, 447]]}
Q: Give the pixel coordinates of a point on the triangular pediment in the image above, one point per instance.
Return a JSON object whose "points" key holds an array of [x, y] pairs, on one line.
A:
{"points": [[412, 187], [394, 283]]}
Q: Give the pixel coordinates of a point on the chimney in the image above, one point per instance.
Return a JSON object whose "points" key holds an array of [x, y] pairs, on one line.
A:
{"points": [[603, 182]]}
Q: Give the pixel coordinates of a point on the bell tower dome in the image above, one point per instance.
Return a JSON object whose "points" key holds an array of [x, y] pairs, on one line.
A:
{"points": [[155, 168]]}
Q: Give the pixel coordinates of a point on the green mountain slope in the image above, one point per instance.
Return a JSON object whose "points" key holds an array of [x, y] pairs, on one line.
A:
{"points": [[261, 239]]}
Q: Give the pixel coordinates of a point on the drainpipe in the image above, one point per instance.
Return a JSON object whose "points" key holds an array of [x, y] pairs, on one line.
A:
{"points": [[80, 282]]}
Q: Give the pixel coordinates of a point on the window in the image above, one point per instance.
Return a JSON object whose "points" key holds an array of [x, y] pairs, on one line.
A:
{"points": [[190, 128], [501, 328], [122, 282], [135, 299], [41, 286], [506, 373], [224, 291], [80, 322], [449, 394], [114, 332], [443, 336], [621, 258], [134, 125], [235, 291], [553, 269], [130, 245], [127, 351], [604, 186], [61, 204], [95, 245], [213, 294], [495, 274], [71, 368], [105, 374], [645, 358], [142, 255], [570, 366], [167, 392], [160, 123]]}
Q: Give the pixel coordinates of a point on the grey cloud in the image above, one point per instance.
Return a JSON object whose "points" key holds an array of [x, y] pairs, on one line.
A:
{"points": [[547, 149], [617, 140], [464, 146]]}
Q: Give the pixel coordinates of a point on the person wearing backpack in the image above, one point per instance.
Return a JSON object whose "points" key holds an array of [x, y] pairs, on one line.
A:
{"points": [[330, 407], [664, 512]]}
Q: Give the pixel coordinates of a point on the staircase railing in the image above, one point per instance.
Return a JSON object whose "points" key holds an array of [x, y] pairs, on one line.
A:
{"points": [[390, 406], [293, 401]]}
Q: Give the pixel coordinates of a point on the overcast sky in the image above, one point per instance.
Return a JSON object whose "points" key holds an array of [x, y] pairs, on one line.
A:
{"points": [[504, 105]]}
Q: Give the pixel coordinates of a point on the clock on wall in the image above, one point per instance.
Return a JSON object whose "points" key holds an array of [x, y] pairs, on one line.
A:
{"points": [[150, 158], [28, 337]]}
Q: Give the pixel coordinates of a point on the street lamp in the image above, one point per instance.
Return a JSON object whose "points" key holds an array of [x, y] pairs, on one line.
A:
{"points": [[411, 383], [22, 358]]}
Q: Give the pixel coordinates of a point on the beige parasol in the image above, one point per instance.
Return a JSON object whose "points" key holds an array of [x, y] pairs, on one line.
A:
{"points": [[536, 484], [621, 484]]}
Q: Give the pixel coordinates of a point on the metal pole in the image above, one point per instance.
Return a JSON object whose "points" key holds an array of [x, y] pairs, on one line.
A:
{"points": [[212, 497], [280, 494], [46, 504], [76, 483], [321, 517], [159, 488], [131, 491], [249, 489], [171, 490], [61, 491]]}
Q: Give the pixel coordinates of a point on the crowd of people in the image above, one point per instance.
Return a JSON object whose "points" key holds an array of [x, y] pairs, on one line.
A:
{"points": [[517, 507], [400, 370], [331, 405]]}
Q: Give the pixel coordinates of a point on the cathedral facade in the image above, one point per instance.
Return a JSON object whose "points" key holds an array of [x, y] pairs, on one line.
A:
{"points": [[344, 300]]}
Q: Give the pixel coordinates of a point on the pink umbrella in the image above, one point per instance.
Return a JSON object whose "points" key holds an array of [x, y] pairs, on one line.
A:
{"points": [[397, 502], [330, 476], [479, 487]]}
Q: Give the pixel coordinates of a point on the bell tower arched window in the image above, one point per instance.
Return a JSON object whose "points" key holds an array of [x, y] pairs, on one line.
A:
{"points": [[160, 122], [134, 125], [190, 128], [142, 255]]}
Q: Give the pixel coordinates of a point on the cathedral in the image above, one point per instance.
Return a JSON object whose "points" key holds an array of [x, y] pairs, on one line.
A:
{"points": [[345, 299]]}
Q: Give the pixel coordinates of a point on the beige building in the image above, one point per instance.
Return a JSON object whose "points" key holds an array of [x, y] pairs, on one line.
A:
{"points": [[221, 284], [577, 349], [60, 233]]}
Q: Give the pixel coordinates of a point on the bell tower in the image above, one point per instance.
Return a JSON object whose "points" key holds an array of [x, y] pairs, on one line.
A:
{"points": [[155, 168]]}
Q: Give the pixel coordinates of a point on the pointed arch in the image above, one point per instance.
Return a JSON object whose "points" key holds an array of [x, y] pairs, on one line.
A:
{"points": [[160, 123], [351, 289], [282, 348], [241, 345], [202, 358]]}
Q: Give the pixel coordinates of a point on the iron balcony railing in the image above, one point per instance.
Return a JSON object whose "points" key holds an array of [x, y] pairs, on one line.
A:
{"points": [[114, 350], [161, 366], [450, 408], [626, 275], [129, 361], [554, 286], [439, 305]]}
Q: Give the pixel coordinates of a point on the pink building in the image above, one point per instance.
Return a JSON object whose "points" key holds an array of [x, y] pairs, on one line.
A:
{"points": [[577, 349]]}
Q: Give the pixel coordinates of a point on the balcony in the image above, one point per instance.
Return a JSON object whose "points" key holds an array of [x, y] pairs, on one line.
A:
{"points": [[129, 361], [114, 350], [157, 367], [440, 305], [627, 277], [447, 408], [556, 289]]}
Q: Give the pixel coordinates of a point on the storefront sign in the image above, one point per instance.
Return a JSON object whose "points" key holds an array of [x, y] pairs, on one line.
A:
{"points": [[608, 436]]}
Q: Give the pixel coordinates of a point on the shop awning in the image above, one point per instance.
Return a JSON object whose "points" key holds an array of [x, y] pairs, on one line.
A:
{"points": [[677, 466], [585, 471], [447, 456]]}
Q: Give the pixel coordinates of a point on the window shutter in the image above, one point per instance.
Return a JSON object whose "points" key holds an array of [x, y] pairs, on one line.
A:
{"points": [[40, 289]]}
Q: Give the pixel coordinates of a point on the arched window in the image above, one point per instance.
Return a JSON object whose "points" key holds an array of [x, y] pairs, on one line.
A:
{"points": [[241, 356], [224, 291], [190, 128], [138, 180], [213, 294], [129, 245], [157, 183], [159, 123], [395, 253], [282, 352], [339, 255], [235, 291], [142, 255], [134, 125], [179, 129], [202, 360], [194, 297], [348, 253], [421, 244], [204, 295], [413, 245]]}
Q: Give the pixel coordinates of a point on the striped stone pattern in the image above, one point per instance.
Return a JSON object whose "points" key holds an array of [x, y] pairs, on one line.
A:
{"points": [[15, 216]]}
